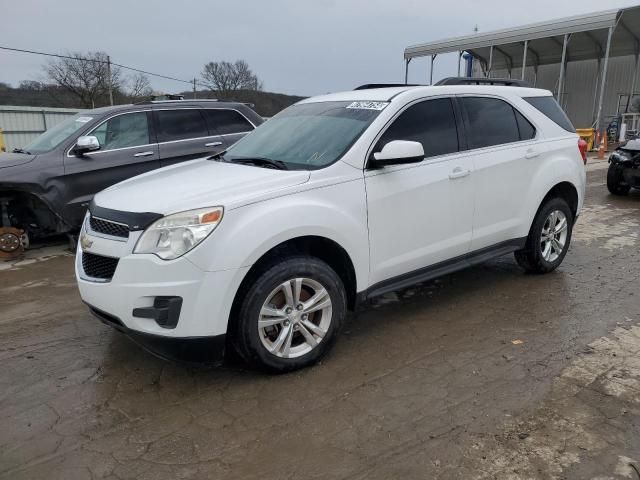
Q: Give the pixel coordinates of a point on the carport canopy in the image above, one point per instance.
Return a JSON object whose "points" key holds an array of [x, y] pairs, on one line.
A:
{"points": [[594, 36]]}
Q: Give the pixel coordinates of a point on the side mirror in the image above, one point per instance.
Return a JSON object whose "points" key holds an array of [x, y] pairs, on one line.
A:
{"points": [[398, 152], [86, 144]]}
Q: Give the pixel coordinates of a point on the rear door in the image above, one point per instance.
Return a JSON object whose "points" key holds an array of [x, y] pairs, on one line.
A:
{"points": [[127, 149], [183, 135], [504, 152], [230, 124]]}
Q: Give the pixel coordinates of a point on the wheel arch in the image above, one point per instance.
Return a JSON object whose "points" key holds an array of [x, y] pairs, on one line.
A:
{"points": [[321, 247], [565, 190], [31, 202]]}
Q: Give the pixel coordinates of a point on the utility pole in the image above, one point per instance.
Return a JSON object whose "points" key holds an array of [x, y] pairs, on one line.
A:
{"points": [[109, 80], [194, 88]]}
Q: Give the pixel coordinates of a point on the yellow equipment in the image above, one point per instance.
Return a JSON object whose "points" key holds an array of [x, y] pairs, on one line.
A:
{"points": [[589, 136]]}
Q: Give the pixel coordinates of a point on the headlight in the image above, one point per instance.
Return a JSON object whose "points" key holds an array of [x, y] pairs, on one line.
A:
{"points": [[174, 235]]}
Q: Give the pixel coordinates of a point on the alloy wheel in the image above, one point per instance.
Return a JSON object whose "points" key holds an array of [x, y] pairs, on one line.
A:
{"points": [[295, 317], [554, 236]]}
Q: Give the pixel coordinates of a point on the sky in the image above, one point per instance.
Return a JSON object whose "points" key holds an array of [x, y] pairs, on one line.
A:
{"points": [[303, 47]]}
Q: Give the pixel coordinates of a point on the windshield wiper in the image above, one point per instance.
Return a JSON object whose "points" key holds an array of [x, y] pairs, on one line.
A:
{"points": [[260, 161], [20, 150]]}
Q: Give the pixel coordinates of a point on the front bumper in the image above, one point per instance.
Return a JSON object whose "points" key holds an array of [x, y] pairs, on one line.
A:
{"points": [[140, 280], [208, 350]]}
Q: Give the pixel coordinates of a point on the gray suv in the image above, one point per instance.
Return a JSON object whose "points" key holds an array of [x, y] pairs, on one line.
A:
{"points": [[46, 186]]}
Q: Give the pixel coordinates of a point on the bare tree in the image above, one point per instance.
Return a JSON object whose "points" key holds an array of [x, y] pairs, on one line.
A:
{"points": [[84, 76], [32, 85], [227, 77], [139, 86]]}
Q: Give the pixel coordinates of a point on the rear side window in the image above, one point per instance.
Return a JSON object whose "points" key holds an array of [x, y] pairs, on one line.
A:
{"points": [[224, 122], [180, 125], [432, 123], [527, 131], [551, 109], [490, 122]]}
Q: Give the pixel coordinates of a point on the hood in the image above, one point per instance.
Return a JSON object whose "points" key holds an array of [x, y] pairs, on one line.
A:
{"points": [[197, 184], [15, 159]]}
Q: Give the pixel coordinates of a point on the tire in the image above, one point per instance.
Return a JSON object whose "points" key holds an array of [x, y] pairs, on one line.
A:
{"points": [[615, 181], [265, 318], [544, 253]]}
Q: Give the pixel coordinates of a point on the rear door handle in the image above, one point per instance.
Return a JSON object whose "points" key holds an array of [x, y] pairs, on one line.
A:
{"points": [[213, 144], [458, 172], [531, 153], [143, 154]]}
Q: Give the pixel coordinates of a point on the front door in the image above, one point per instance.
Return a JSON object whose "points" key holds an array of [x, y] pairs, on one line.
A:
{"points": [[420, 214], [127, 149]]}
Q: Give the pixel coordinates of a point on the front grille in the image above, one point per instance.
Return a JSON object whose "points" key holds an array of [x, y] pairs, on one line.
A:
{"points": [[97, 266], [108, 228]]}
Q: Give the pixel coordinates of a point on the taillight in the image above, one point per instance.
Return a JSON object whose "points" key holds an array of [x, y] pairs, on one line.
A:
{"points": [[582, 146]]}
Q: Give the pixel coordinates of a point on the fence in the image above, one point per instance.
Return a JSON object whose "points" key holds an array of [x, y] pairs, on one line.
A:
{"points": [[20, 125]]}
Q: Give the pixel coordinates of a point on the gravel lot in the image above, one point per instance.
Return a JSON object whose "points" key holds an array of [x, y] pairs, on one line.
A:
{"points": [[487, 373]]}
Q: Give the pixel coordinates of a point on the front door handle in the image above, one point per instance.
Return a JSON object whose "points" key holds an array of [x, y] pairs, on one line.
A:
{"points": [[458, 172], [531, 153], [213, 144], [143, 154]]}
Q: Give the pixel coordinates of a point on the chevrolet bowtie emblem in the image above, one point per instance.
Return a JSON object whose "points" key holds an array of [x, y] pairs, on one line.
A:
{"points": [[85, 243]]}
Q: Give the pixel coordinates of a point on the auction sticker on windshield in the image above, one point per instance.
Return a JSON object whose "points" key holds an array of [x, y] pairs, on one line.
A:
{"points": [[368, 105]]}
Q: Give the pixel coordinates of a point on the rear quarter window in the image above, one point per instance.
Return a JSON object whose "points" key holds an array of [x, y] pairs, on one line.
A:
{"points": [[551, 109], [224, 122]]}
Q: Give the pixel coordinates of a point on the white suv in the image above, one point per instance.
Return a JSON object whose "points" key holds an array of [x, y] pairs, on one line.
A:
{"points": [[335, 200]]}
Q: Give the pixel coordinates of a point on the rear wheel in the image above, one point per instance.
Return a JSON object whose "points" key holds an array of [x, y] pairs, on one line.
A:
{"points": [[290, 315], [548, 239], [615, 180]]}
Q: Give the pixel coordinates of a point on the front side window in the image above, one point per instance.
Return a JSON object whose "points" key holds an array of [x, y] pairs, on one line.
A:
{"points": [[224, 122], [122, 131], [309, 135], [432, 123], [491, 121], [180, 125]]}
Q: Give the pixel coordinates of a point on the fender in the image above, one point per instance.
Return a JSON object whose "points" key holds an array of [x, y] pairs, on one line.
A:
{"points": [[558, 169], [337, 212], [622, 159]]}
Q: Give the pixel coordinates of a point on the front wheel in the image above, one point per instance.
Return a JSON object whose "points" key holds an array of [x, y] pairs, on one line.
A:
{"points": [[290, 315], [615, 181], [548, 239]]}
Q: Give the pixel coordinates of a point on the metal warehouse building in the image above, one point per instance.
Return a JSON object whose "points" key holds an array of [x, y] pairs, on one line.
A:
{"points": [[574, 57], [20, 125]]}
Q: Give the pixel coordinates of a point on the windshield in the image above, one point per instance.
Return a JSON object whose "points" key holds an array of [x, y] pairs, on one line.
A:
{"points": [[308, 136], [57, 134]]}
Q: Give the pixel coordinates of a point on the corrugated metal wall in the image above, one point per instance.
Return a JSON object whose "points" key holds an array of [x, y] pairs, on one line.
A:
{"points": [[580, 96], [21, 125]]}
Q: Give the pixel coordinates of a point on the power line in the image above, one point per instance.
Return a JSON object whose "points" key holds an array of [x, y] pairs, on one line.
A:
{"points": [[56, 55]]}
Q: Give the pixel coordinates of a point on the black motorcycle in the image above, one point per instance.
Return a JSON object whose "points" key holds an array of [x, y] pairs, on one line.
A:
{"points": [[624, 168]]}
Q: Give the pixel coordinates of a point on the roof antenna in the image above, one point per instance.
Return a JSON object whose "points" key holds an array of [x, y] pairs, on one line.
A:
{"points": [[476, 29]]}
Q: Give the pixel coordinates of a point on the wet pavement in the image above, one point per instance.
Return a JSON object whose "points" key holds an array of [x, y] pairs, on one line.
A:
{"points": [[487, 373]]}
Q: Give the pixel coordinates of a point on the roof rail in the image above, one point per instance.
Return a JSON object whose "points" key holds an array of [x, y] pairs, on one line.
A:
{"points": [[369, 86], [508, 82], [150, 102]]}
